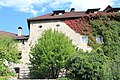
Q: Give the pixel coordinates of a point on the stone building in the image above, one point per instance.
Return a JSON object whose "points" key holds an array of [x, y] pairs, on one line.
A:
{"points": [[73, 24]]}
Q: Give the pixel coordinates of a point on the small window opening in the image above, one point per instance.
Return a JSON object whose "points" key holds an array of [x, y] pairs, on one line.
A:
{"points": [[57, 25], [40, 26], [21, 41]]}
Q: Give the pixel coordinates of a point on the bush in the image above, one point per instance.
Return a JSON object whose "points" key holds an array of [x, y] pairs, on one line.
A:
{"points": [[3, 78], [92, 66], [62, 79]]}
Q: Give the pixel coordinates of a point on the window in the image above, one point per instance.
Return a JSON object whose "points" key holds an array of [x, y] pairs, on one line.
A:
{"points": [[30, 44], [95, 12], [84, 39], [21, 41], [99, 39], [40, 26], [57, 25], [58, 14], [20, 55]]}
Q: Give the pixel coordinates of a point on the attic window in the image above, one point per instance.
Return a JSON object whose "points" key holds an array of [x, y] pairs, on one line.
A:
{"points": [[95, 12], [58, 12], [92, 10], [40, 26], [108, 8]]}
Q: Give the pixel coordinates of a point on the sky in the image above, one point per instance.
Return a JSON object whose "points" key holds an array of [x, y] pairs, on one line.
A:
{"points": [[14, 13]]}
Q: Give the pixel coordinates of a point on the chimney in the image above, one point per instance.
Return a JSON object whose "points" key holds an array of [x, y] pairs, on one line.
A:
{"points": [[19, 31], [72, 10]]}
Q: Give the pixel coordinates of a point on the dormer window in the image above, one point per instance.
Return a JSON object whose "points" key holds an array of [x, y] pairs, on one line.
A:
{"points": [[95, 12], [58, 12], [110, 9], [92, 10]]}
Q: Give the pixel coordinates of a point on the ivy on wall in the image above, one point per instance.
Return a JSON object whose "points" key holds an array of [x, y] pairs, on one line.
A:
{"points": [[109, 28]]}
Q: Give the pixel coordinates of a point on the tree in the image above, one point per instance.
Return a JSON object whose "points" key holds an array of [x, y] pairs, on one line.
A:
{"points": [[8, 53], [89, 66], [50, 54]]}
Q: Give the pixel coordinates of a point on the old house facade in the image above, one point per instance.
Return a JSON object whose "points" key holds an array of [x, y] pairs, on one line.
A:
{"points": [[73, 24]]}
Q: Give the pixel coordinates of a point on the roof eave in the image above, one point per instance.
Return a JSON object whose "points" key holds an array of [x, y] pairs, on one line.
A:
{"points": [[29, 20]]}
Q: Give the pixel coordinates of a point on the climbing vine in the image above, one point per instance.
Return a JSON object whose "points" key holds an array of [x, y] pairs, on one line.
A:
{"points": [[109, 28]]}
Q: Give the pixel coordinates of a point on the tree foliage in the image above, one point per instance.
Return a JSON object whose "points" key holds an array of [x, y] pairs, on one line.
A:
{"points": [[50, 54], [92, 66], [8, 53], [53, 52]]}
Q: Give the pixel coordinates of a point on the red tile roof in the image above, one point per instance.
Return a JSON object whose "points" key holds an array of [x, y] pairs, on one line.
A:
{"points": [[14, 35], [8, 33], [79, 25], [64, 16], [23, 37], [92, 10], [75, 20]]}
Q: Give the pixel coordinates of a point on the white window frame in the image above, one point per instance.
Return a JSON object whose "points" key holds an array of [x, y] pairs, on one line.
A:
{"points": [[99, 39], [84, 39], [96, 12]]}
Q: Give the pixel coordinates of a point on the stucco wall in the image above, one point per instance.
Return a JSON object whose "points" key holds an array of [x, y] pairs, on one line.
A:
{"points": [[35, 32], [24, 49]]}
